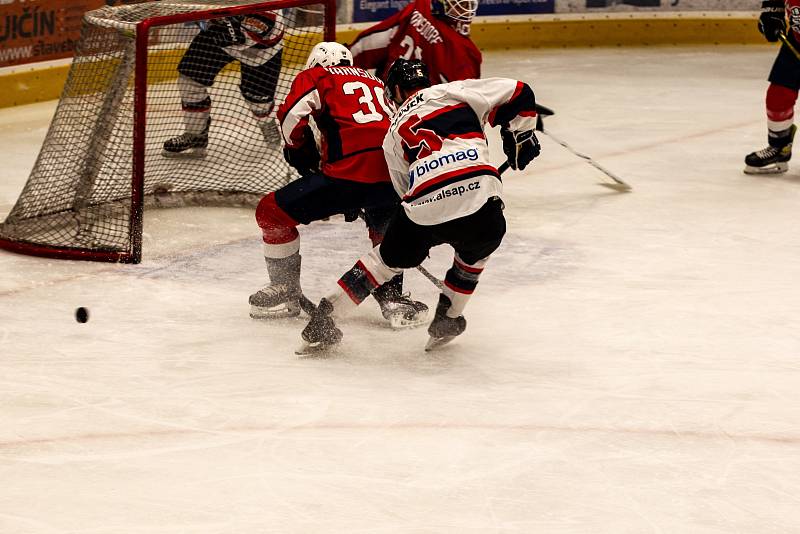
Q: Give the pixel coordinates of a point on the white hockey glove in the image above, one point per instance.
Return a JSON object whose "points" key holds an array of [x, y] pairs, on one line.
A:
{"points": [[520, 147]]}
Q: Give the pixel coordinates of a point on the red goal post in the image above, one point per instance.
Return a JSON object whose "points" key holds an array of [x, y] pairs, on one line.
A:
{"points": [[101, 162]]}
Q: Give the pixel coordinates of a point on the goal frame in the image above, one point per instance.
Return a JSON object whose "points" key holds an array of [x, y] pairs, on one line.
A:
{"points": [[142, 35]]}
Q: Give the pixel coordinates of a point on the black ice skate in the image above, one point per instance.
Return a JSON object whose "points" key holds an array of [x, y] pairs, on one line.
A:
{"points": [[187, 145], [281, 298], [444, 329], [275, 301], [399, 308], [320, 334], [774, 159]]}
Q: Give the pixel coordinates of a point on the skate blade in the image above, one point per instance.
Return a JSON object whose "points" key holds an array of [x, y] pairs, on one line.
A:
{"points": [[311, 349], [436, 342], [775, 168], [281, 311], [400, 322], [192, 153]]}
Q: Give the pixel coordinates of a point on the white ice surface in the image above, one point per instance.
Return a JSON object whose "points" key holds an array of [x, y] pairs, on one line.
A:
{"points": [[631, 364]]}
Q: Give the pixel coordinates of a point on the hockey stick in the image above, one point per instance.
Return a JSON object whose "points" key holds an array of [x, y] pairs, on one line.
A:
{"points": [[620, 184], [790, 46], [427, 274]]}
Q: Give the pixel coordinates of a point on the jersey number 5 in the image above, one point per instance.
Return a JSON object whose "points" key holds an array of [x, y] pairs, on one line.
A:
{"points": [[418, 142], [367, 98]]}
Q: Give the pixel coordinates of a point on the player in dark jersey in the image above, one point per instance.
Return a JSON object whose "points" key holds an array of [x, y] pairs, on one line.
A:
{"points": [[348, 174], [782, 92], [439, 164], [433, 31], [256, 41]]}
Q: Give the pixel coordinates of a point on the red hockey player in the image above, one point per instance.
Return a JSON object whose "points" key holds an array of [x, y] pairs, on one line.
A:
{"points": [[433, 31], [784, 81], [349, 175], [439, 164]]}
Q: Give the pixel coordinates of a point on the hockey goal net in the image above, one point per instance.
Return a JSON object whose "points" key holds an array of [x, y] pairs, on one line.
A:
{"points": [[129, 91]]}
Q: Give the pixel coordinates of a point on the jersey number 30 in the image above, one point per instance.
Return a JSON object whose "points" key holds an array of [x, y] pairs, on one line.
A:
{"points": [[367, 98]]}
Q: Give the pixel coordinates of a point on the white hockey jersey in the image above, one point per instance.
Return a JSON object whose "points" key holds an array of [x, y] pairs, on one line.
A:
{"points": [[436, 148]]}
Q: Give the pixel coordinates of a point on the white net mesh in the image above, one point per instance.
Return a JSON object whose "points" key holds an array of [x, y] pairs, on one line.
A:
{"points": [[79, 194]]}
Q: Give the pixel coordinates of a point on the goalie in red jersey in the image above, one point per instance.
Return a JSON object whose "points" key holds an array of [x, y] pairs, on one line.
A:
{"points": [[346, 175], [433, 31], [784, 81]]}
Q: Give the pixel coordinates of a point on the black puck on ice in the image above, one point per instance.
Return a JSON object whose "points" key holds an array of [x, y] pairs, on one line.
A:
{"points": [[81, 315]]}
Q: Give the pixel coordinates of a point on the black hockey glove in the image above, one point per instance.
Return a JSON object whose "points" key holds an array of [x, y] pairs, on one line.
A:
{"points": [[304, 158], [520, 147], [772, 21]]}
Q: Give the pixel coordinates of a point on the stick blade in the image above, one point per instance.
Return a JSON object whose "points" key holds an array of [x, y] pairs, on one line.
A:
{"points": [[619, 188]]}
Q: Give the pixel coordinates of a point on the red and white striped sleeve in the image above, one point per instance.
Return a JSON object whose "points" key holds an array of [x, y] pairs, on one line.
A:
{"points": [[303, 100], [371, 47], [501, 101]]}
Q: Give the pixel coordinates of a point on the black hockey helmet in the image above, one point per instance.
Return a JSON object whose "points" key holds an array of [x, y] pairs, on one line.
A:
{"points": [[407, 75]]}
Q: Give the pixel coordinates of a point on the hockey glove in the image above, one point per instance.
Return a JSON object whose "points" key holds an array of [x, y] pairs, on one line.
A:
{"points": [[304, 158], [520, 147], [226, 32], [772, 21]]}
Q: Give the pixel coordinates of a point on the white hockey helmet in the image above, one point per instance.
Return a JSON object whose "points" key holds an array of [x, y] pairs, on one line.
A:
{"points": [[328, 54], [458, 13]]}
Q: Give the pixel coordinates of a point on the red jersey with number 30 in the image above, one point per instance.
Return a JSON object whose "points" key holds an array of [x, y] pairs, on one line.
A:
{"points": [[348, 107]]}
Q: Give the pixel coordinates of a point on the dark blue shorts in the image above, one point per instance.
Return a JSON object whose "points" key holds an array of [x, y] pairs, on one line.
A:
{"points": [[474, 237], [316, 196], [786, 69]]}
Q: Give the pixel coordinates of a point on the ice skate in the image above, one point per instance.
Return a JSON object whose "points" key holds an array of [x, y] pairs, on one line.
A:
{"points": [[771, 160], [281, 298], [320, 334], [404, 312], [444, 329], [399, 308], [275, 301], [187, 145]]}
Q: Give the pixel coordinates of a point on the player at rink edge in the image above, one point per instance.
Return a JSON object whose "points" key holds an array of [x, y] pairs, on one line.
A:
{"points": [[784, 82], [433, 31], [348, 177], [437, 154]]}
